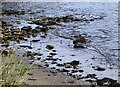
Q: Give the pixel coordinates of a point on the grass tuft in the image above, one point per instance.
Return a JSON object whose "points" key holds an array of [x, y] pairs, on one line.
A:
{"points": [[12, 69]]}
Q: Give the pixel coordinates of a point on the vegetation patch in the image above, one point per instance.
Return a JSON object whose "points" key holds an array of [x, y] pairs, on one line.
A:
{"points": [[13, 69]]}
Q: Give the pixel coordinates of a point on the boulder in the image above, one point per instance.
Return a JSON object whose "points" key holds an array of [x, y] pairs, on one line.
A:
{"points": [[79, 41]]}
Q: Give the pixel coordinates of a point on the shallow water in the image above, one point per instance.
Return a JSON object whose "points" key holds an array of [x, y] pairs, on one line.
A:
{"points": [[102, 33]]}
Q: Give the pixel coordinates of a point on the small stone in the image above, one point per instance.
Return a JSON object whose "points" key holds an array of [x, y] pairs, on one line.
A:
{"points": [[32, 79], [30, 73], [49, 75]]}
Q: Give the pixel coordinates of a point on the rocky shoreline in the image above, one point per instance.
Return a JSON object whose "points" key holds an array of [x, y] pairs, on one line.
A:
{"points": [[43, 44]]}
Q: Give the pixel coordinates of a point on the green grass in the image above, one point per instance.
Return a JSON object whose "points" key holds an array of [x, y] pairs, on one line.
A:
{"points": [[12, 69]]}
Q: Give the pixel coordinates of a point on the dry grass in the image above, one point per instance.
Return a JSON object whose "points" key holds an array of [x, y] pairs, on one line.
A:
{"points": [[12, 69]]}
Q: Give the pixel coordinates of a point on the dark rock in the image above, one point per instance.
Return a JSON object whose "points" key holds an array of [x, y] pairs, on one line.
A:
{"points": [[81, 71], [30, 74], [26, 46], [74, 63], [64, 70], [31, 54], [5, 53], [74, 71], [38, 58], [61, 65], [68, 66], [26, 28], [60, 59], [91, 76], [35, 40], [52, 67], [5, 45], [98, 68], [47, 65], [35, 31], [53, 59], [107, 82], [71, 81], [32, 79], [49, 75], [50, 47], [72, 54], [54, 50], [54, 62], [89, 80], [53, 54], [49, 56]]}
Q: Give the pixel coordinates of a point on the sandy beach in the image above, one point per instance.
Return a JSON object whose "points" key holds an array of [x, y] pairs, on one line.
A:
{"points": [[42, 76]]}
